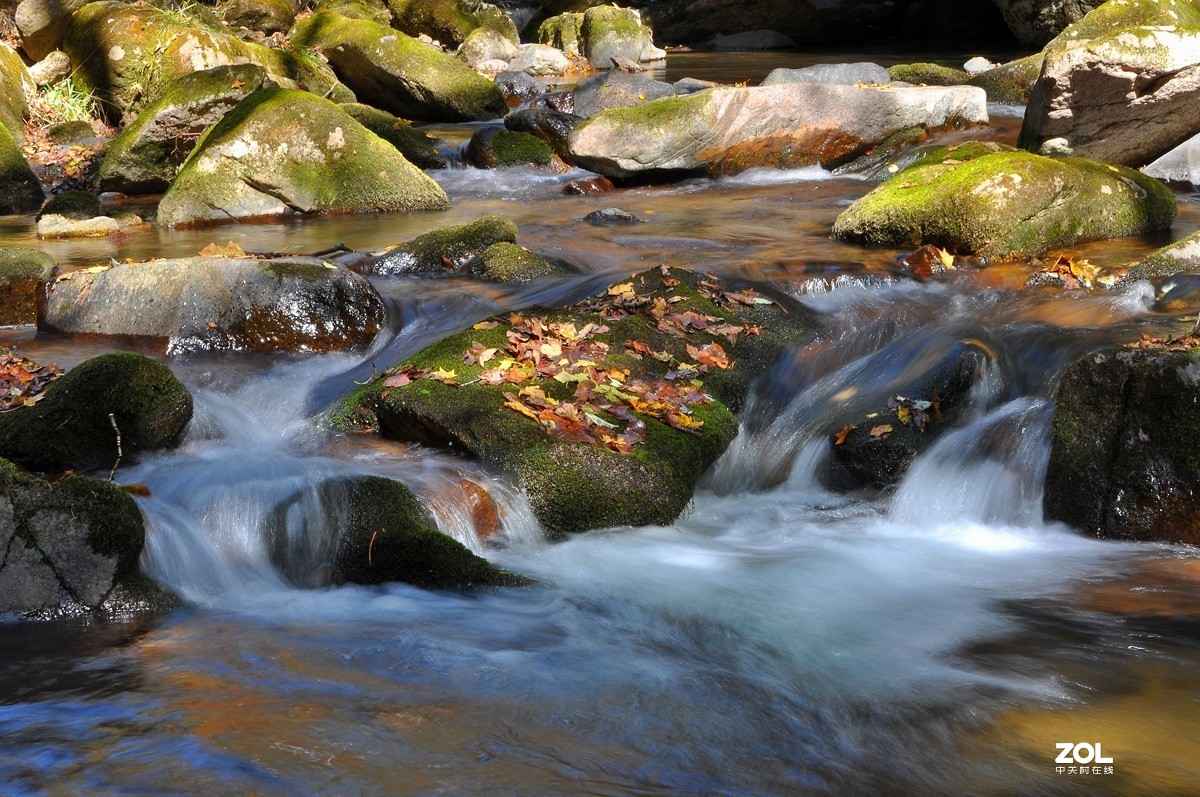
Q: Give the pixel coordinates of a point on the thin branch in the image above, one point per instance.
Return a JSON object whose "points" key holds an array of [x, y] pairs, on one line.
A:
{"points": [[113, 473]]}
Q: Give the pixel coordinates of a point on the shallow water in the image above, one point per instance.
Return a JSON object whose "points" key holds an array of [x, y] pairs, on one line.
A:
{"points": [[777, 639]]}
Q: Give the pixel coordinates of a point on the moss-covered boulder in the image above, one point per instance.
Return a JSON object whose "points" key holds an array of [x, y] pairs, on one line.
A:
{"points": [[146, 156], [371, 530], [505, 262], [70, 549], [1181, 257], [23, 272], [562, 32], [553, 127], [20, 189], [268, 16], [1125, 456], [419, 149], [282, 152], [605, 413], [1121, 85], [70, 428], [15, 85], [1011, 83], [72, 204], [493, 147], [130, 55], [447, 248], [613, 36], [484, 45], [993, 201], [928, 74], [373, 10], [616, 89], [398, 73], [450, 21], [219, 303]]}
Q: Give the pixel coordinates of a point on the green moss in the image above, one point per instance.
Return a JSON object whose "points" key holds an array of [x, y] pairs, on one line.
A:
{"points": [[1011, 83], [663, 114], [70, 427], [1115, 15], [23, 273], [419, 148], [519, 149], [455, 246], [72, 204], [563, 33], [20, 190], [608, 32], [928, 74], [14, 82], [447, 21], [115, 525], [505, 262], [372, 10]]}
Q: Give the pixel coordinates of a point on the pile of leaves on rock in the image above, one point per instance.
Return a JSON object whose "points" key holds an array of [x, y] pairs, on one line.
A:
{"points": [[913, 413], [23, 381]]}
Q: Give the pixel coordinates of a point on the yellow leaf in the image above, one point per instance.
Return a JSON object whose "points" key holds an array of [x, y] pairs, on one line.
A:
{"points": [[879, 432], [230, 249], [944, 256]]}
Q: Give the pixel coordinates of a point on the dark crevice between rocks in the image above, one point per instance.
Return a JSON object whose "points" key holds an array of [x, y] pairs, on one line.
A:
{"points": [[1114, 450]]}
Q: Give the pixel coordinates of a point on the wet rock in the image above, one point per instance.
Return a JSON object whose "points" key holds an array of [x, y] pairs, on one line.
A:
{"points": [[20, 189], [51, 70], [447, 248], [1180, 166], [583, 186], [539, 60], [15, 84], [1124, 458], [1181, 257], [419, 149], [129, 55], [728, 130], [147, 154], [485, 44], [1143, 49], [609, 34], [553, 127], [505, 262], [398, 73], [1011, 83], [1036, 22], [690, 85], [70, 549], [839, 74], [928, 75], [43, 23], [520, 87], [751, 40], [219, 303], [51, 226], [931, 406], [493, 147], [23, 272], [282, 152], [993, 201], [616, 89], [575, 485], [268, 16], [562, 32], [371, 530], [450, 21], [70, 428], [608, 216]]}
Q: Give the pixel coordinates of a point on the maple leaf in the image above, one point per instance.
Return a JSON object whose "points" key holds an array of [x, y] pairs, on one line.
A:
{"points": [[844, 433]]}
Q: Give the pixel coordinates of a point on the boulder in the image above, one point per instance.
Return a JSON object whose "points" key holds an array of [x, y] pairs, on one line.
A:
{"points": [[493, 147], [583, 186], [371, 530], [1122, 85], [268, 16], [70, 427], [728, 130], [43, 23], [839, 74], [1125, 455], [1180, 166], [506, 262], [20, 189], [130, 55], [23, 272], [419, 149], [538, 60], [73, 204], [592, 449], [16, 84], [398, 73], [449, 247], [617, 89], [485, 44], [1011, 83], [612, 35], [1036, 22], [751, 40], [71, 549], [562, 32], [51, 70], [51, 226], [450, 21], [219, 303], [608, 216], [994, 201], [1181, 257], [282, 152], [553, 127], [518, 87], [147, 154], [928, 74], [74, 133]]}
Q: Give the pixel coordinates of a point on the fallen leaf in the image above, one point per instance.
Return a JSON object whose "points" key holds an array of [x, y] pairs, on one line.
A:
{"points": [[844, 433], [880, 432]]}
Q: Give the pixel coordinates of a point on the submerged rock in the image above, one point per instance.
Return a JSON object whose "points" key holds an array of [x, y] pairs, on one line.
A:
{"points": [[727, 130], [1121, 85], [147, 154], [71, 549], [371, 530], [282, 152], [219, 303], [993, 201], [525, 393], [1125, 456], [447, 248], [419, 149], [69, 427], [606, 216], [23, 273], [398, 73]]}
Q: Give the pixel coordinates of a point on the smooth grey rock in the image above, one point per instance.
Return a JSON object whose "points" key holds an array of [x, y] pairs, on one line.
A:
{"points": [[841, 74], [520, 86], [53, 69], [617, 89], [483, 45], [539, 59]]}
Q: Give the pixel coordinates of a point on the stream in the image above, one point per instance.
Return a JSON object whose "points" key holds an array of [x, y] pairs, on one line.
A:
{"points": [[777, 639]]}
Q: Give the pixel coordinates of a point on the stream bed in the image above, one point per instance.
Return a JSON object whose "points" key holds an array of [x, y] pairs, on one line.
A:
{"points": [[777, 639]]}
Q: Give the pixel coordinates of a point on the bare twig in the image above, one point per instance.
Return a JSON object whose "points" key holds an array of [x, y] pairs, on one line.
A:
{"points": [[113, 473]]}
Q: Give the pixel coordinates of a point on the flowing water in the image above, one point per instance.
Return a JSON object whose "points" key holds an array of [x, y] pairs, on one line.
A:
{"points": [[777, 639]]}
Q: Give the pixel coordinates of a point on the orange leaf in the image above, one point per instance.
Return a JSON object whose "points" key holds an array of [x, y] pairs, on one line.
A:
{"points": [[842, 435]]}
